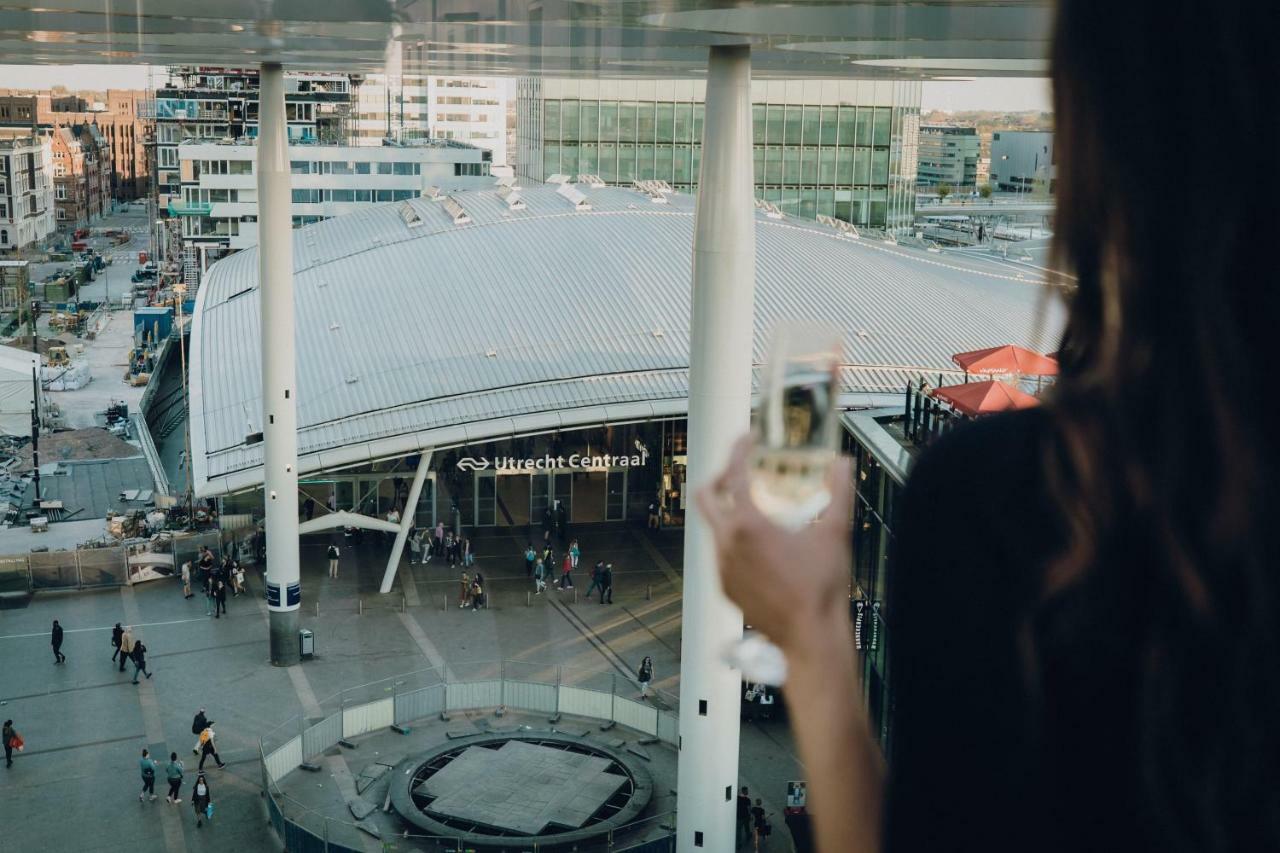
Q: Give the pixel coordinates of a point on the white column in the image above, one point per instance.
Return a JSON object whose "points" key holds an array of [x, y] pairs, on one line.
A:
{"points": [[724, 274], [279, 397], [406, 520]]}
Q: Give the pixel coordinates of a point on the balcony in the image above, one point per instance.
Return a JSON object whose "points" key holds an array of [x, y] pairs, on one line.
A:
{"points": [[189, 208]]}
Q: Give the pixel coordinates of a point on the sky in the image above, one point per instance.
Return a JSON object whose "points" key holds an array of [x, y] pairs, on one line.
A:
{"points": [[995, 93]]}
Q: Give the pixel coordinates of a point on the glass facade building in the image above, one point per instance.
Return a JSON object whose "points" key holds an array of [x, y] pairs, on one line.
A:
{"points": [[842, 148]]}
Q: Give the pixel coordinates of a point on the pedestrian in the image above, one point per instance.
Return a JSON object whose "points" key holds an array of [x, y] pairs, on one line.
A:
{"points": [[539, 577], [331, 502], [201, 800], [548, 522], [126, 646], [606, 584], [653, 515], [760, 824], [208, 748], [310, 508], [198, 724], [575, 552], [744, 816], [55, 640], [237, 577], [530, 556], [566, 573], [549, 558], [468, 558], [464, 590], [220, 599], [139, 656], [186, 579], [415, 548], [117, 634], [12, 740], [208, 595], [206, 562], [562, 520], [450, 549], [438, 545], [148, 767], [173, 773], [477, 592], [334, 554], [644, 676], [597, 580]]}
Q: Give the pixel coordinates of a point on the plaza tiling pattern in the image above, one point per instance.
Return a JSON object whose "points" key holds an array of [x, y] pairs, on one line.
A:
{"points": [[507, 321], [522, 787]]}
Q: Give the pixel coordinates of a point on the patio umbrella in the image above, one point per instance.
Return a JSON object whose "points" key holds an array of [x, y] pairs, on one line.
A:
{"points": [[1006, 359], [985, 398]]}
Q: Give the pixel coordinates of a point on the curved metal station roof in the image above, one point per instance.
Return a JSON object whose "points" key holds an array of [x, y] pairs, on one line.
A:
{"points": [[440, 322], [637, 38]]}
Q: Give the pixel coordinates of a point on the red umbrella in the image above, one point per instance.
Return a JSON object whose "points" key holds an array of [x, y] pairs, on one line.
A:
{"points": [[984, 398], [1006, 359]]}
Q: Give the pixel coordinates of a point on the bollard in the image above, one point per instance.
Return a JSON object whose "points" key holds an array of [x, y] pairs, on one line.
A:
{"points": [[403, 603], [360, 606], [528, 598], [648, 596], [444, 602], [575, 595], [317, 608]]}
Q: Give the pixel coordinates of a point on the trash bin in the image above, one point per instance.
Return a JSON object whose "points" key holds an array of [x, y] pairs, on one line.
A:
{"points": [[306, 643]]}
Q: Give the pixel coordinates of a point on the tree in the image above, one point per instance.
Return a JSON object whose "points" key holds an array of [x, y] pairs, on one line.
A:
{"points": [[985, 190], [944, 190]]}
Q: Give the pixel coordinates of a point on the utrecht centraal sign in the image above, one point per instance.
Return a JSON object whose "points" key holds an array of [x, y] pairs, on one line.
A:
{"points": [[572, 462]]}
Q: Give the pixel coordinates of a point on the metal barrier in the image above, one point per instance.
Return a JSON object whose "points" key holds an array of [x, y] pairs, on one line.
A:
{"points": [[517, 685], [87, 568]]}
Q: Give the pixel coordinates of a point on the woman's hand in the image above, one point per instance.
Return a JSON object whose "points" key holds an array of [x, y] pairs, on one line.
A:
{"points": [[791, 585]]}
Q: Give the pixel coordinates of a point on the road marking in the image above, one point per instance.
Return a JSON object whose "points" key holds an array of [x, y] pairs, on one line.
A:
{"points": [[428, 649], [106, 628], [170, 823], [665, 567]]}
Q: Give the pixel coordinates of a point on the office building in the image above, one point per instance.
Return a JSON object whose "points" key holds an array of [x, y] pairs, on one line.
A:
{"points": [[81, 174], [118, 115], [948, 155], [26, 191], [207, 104], [1022, 161], [842, 148], [472, 110], [218, 204]]}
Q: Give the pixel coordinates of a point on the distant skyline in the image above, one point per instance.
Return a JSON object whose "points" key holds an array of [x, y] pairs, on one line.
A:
{"points": [[993, 93]]}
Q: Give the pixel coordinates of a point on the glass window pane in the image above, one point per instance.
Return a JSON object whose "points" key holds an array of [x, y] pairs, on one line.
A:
{"points": [[827, 166], [665, 122], [861, 166], [773, 165], [627, 121], [844, 166], [830, 123], [882, 126], [808, 202], [864, 126], [699, 113], [880, 166], [588, 159], [608, 165], [609, 122], [791, 165], [758, 122], [569, 120], [646, 121], [551, 120], [775, 118], [846, 125], [683, 166], [662, 167], [588, 125], [644, 162], [812, 118], [683, 129], [569, 158], [791, 135], [626, 163], [808, 165], [551, 159]]}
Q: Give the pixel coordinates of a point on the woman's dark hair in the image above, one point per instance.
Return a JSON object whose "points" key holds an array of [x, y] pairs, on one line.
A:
{"points": [[1164, 465]]}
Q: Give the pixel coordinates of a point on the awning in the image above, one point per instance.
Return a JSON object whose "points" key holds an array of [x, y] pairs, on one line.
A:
{"points": [[1006, 359], [984, 398]]}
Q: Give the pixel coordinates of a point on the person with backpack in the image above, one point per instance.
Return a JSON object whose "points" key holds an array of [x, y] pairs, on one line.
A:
{"points": [[597, 580], [201, 800], [198, 724], [139, 656], [148, 766], [173, 773], [12, 740], [530, 556], [126, 646], [334, 554], [208, 748]]}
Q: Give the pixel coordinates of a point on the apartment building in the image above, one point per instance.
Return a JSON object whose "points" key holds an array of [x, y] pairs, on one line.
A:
{"points": [[472, 110], [26, 191]]}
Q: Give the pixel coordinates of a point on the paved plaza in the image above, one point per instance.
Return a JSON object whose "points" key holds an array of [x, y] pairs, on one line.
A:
{"points": [[75, 786]]}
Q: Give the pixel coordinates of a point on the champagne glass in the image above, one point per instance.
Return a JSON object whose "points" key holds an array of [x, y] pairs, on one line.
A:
{"points": [[796, 441]]}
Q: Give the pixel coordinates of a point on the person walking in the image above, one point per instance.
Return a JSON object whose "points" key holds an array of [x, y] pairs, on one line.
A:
{"points": [[477, 592], [55, 639], [117, 634], [566, 573], [530, 556], [207, 588], [451, 549], [173, 773], [761, 825], [606, 584], [464, 590], [201, 800], [645, 676], [415, 548], [126, 646], [653, 521], [334, 554], [219, 599], [139, 656], [574, 553], [597, 581], [148, 766], [539, 577], [744, 817], [237, 577], [208, 748], [12, 740], [186, 579], [198, 724], [468, 557]]}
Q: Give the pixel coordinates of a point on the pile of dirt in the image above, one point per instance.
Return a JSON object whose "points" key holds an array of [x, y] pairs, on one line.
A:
{"points": [[90, 443]]}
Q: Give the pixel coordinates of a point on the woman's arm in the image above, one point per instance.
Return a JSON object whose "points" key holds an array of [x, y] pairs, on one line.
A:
{"points": [[794, 587]]}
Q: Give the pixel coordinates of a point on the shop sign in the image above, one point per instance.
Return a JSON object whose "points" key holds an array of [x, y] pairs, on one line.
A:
{"points": [[572, 462]]}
